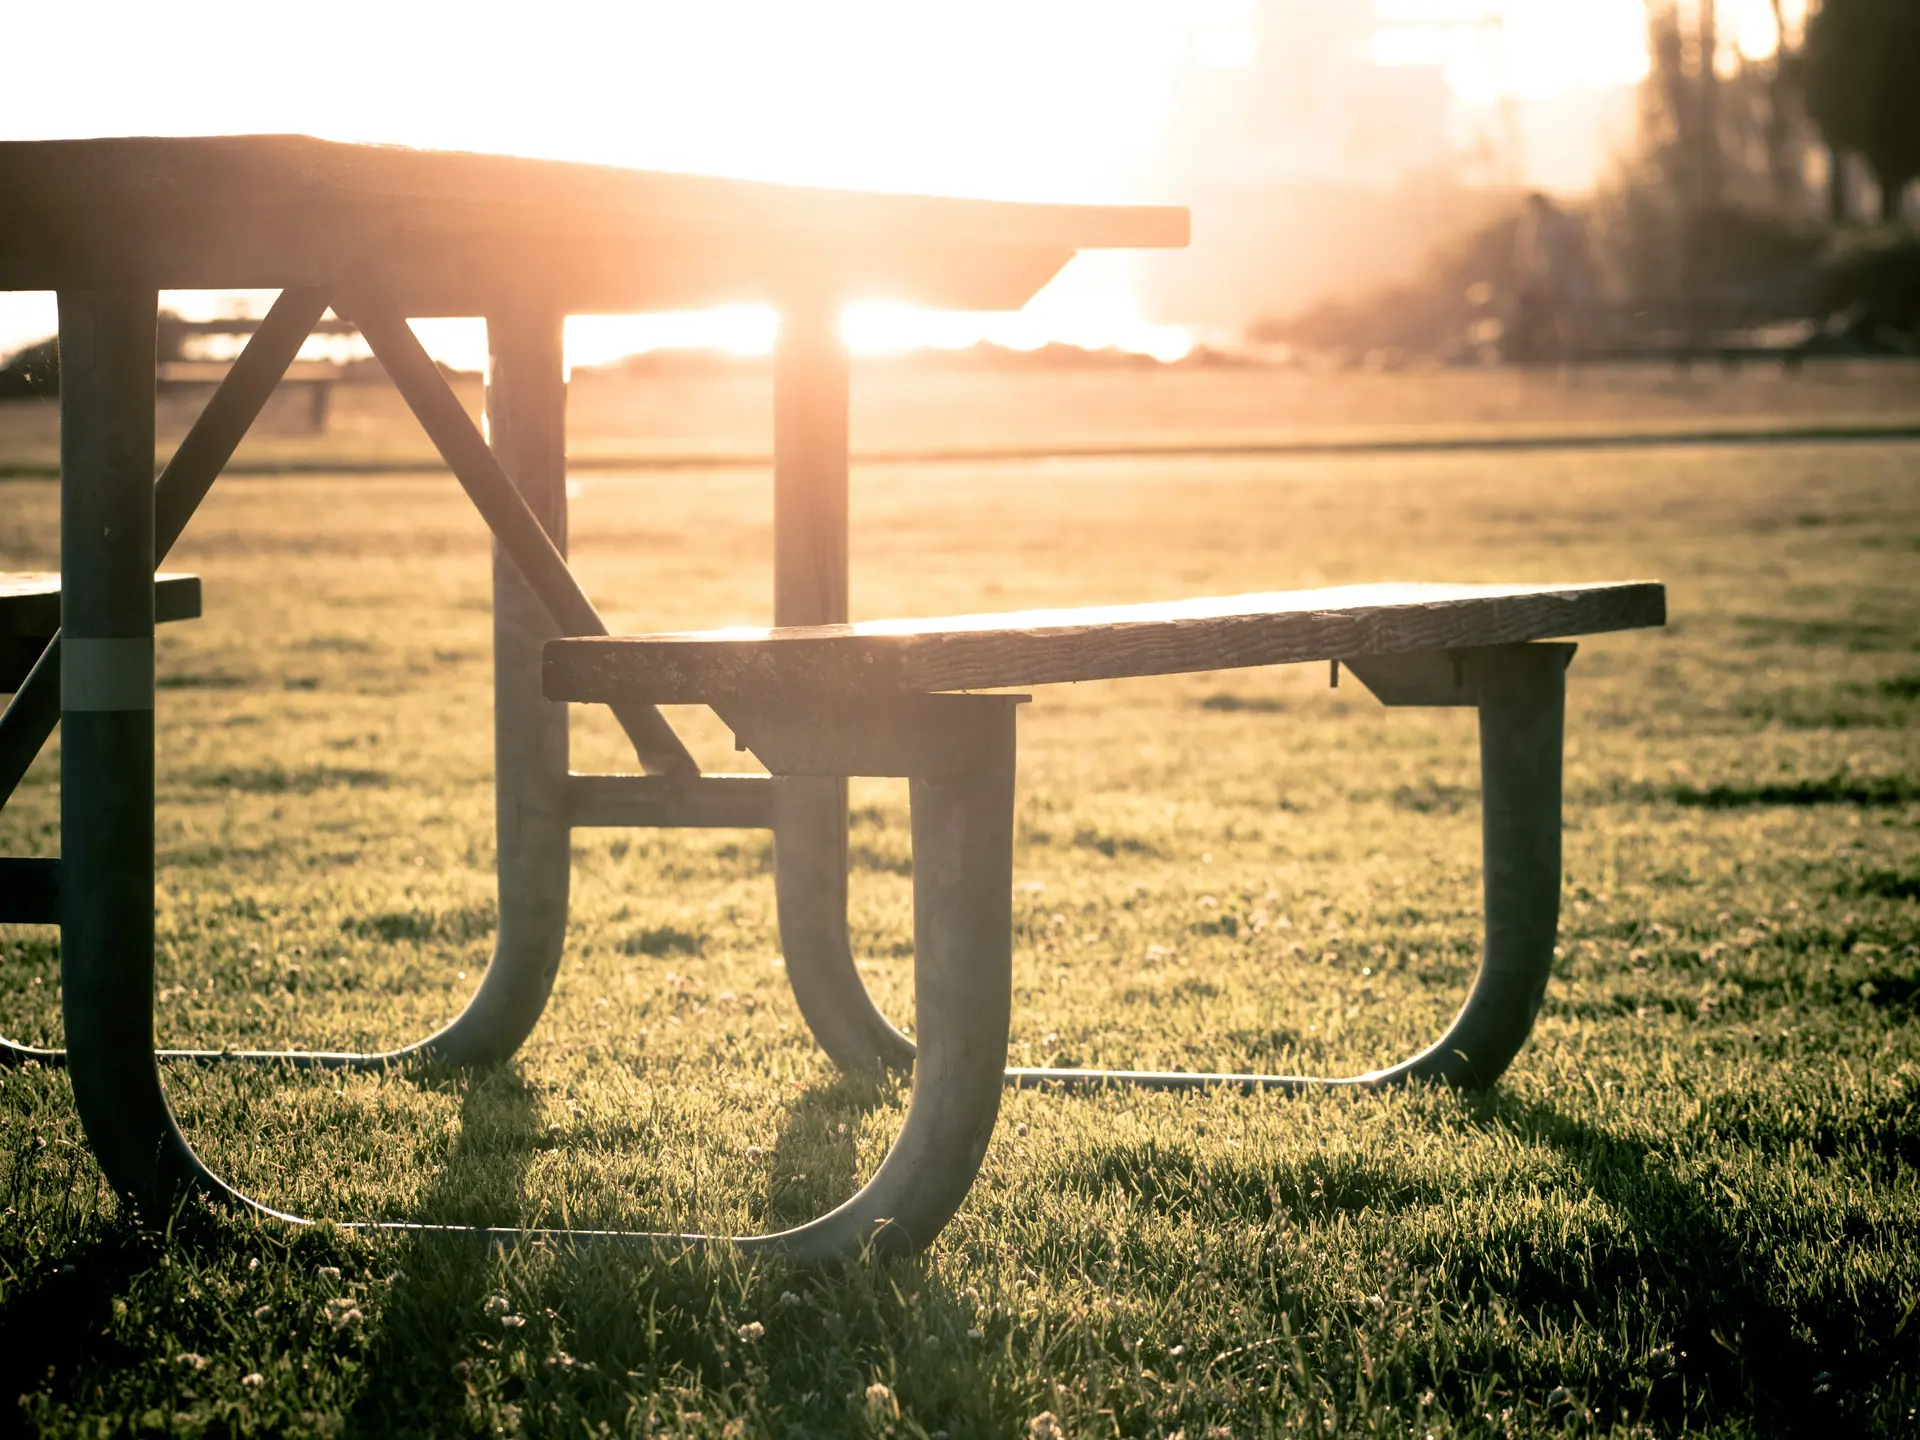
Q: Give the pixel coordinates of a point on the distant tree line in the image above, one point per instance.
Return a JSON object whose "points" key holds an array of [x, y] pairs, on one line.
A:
{"points": [[1859, 71], [1745, 203]]}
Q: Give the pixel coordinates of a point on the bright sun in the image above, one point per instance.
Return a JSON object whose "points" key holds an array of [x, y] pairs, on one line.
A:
{"points": [[1040, 99]]}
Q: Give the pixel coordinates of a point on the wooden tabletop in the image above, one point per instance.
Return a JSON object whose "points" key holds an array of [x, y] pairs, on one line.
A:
{"points": [[1043, 647], [450, 233]]}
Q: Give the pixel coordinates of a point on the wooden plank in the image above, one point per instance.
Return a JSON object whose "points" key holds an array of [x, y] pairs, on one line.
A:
{"points": [[438, 266], [161, 174], [18, 655], [1044, 647], [447, 233], [30, 601]]}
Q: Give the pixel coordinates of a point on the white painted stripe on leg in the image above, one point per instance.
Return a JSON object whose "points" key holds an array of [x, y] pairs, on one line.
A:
{"points": [[106, 675]]}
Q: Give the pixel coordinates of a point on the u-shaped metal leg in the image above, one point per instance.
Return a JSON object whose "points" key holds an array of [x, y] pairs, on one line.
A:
{"points": [[963, 849], [963, 827], [526, 412], [526, 421], [1521, 693], [1521, 699], [810, 885]]}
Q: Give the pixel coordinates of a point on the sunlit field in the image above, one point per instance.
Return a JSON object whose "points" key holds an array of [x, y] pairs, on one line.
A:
{"points": [[1692, 1206], [691, 411]]}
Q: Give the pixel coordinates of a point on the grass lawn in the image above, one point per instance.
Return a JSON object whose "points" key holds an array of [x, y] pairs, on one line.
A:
{"points": [[1692, 1206], [696, 409]]}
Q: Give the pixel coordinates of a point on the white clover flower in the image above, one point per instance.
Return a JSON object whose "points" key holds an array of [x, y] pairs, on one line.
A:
{"points": [[751, 1331]]}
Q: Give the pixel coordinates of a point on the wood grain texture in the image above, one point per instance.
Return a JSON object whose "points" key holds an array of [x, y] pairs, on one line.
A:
{"points": [[30, 601], [442, 232], [1045, 647]]}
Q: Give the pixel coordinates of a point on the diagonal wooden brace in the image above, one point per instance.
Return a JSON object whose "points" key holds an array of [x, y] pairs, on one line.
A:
{"points": [[513, 524], [35, 709]]}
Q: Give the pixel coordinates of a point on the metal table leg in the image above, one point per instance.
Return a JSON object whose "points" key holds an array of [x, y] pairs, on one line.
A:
{"points": [[961, 770], [1520, 694], [526, 420], [34, 711], [526, 403], [810, 418], [106, 753]]}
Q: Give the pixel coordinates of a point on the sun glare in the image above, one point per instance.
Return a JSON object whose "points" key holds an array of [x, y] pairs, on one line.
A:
{"points": [[1017, 99]]}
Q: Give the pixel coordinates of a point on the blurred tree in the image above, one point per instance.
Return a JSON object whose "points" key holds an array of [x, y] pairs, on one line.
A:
{"points": [[1781, 89], [1860, 70]]}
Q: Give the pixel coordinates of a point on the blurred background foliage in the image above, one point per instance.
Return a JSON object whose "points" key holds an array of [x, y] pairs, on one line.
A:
{"points": [[1763, 207]]}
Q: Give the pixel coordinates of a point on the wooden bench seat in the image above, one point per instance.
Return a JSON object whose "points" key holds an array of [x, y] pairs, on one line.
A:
{"points": [[838, 700], [1044, 647], [30, 614]]}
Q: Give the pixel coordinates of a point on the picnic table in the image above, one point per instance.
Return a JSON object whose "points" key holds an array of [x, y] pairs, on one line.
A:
{"points": [[382, 235]]}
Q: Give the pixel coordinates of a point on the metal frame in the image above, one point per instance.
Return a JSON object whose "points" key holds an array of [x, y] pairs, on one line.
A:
{"points": [[956, 751], [1519, 692], [34, 711], [537, 801], [518, 484]]}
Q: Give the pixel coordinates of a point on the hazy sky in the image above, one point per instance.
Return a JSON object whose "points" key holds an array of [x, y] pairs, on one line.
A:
{"points": [[1057, 99]]}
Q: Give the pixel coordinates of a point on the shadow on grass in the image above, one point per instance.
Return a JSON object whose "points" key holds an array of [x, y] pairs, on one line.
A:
{"points": [[563, 1327], [1171, 1179], [815, 1153], [58, 1318], [1813, 1354], [413, 1365], [1871, 793]]}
